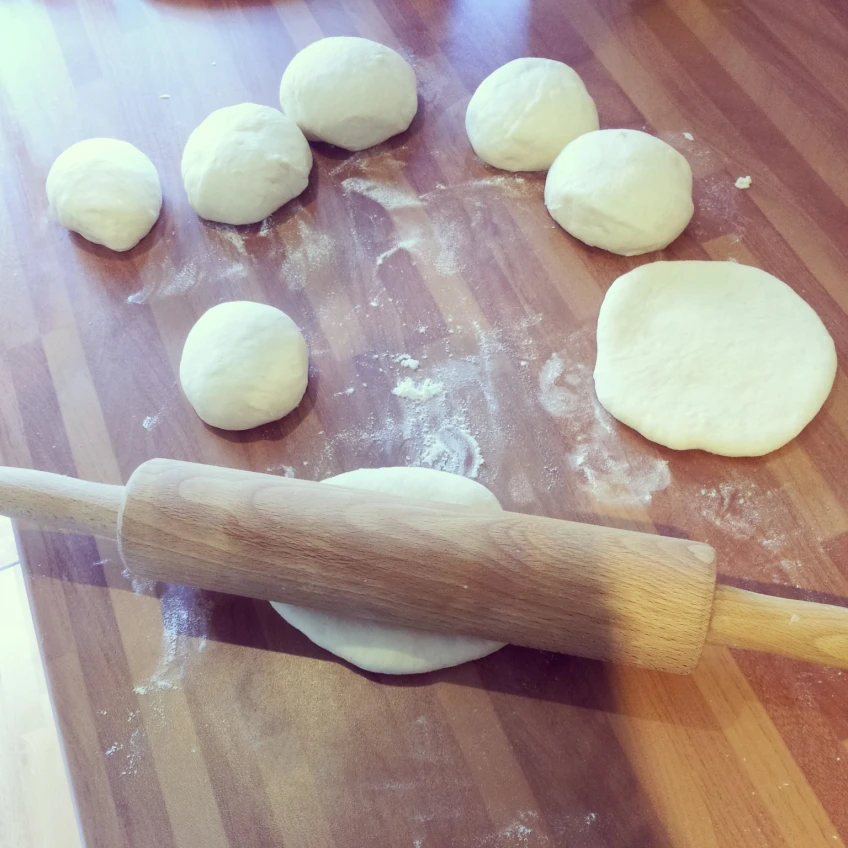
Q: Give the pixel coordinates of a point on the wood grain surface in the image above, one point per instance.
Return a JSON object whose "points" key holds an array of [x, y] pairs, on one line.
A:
{"points": [[195, 719]]}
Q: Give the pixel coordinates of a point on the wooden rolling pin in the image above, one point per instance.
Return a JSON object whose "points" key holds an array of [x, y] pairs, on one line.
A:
{"points": [[556, 585]]}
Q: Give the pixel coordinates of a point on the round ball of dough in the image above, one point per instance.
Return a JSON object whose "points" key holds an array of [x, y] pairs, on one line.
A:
{"points": [[623, 190], [387, 648], [711, 355], [243, 163], [244, 364], [350, 92], [525, 112], [106, 190]]}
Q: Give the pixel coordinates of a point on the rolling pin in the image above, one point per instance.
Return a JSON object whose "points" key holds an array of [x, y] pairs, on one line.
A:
{"points": [[545, 583]]}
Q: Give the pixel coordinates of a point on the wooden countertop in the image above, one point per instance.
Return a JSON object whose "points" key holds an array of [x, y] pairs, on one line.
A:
{"points": [[198, 720]]}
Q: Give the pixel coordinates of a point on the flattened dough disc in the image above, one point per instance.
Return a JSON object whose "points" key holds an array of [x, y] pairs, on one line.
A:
{"points": [[387, 648], [711, 355]]}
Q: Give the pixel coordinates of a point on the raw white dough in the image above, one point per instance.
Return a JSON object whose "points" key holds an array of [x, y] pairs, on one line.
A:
{"points": [[244, 364], [711, 355], [243, 163], [386, 648], [524, 113], [350, 92], [106, 190], [622, 190]]}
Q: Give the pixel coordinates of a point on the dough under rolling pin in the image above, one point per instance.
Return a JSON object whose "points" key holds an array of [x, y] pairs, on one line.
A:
{"points": [[544, 583]]}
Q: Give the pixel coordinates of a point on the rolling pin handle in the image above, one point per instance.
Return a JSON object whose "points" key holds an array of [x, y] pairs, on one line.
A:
{"points": [[56, 502], [798, 629]]}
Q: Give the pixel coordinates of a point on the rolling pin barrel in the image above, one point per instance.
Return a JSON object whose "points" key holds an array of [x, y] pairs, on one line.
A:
{"points": [[575, 588]]}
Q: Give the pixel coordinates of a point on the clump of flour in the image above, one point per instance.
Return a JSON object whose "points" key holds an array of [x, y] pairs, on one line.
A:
{"points": [[406, 361], [421, 391]]}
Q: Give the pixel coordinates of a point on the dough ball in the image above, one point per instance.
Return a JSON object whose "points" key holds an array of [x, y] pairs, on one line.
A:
{"points": [[106, 190], [525, 112], [623, 190], [244, 364], [386, 648], [350, 92], [711, 355], [243, 163]]}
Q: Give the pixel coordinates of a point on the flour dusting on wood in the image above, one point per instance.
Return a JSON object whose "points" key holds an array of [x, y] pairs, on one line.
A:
{"points": [[186, 614], [595, 451]]}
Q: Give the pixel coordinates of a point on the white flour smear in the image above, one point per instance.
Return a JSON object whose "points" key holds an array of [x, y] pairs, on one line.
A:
{"points": [[595, 452], [266, 228], [163, 281], [185, 622], [411, 245], [166, 282], [388, 194], [442, 431], [231, 235], [308, 250], [149, 422], [421, 391], [453, 448], [433, 227], [748, 512], [513, 187], [140, 586], [467, 428]]}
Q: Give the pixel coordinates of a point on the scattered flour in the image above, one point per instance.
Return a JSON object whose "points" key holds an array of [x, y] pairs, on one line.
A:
{"points": [[230, 234], [406, 361], [135, 749], [266, 228], [520, 490], [185, 622], [437, 433], [151, 421], [388, 194], [140, 585], [164, 282], [595, 451], [506, 185], [435, 228], [287, 470], [308, 250], [451, 440], [745, 511], [517, 833], [408, 389]]}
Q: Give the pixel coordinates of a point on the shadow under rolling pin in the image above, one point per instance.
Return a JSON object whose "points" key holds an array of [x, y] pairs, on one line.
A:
{"points": [[544, 583]]}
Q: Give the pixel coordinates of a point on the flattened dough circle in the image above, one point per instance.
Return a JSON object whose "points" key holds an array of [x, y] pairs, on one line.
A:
{"points": [[711, 355], [386, 648]]}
